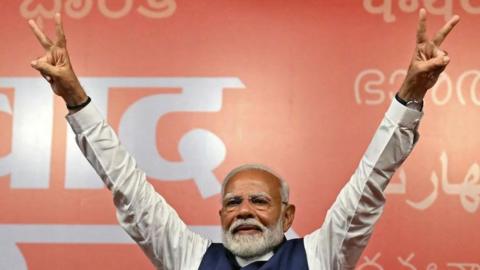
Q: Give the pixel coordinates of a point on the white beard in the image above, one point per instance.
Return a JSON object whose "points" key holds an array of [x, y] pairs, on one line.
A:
{"points": [[249, 246]]}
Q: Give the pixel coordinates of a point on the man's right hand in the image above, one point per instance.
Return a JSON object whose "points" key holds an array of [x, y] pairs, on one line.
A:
{"points": [[55, 65]]}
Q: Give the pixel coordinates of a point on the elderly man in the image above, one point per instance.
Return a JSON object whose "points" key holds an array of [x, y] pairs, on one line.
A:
{"points": [[255, 210]]}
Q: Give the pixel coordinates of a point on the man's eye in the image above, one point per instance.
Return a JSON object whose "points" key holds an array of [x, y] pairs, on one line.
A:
{"points": [[259, 201], [233, 202]]}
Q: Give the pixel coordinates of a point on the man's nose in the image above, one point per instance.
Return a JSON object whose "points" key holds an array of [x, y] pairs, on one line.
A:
{"points": [[245, 210]]}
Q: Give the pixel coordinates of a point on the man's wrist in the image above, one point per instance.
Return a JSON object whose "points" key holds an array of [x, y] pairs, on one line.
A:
{"points": [[411, 91], [80, 106], [76, 100], [412, 103]]}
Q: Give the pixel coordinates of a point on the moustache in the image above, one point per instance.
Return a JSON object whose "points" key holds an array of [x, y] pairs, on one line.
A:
{"points": [[246, 224]]}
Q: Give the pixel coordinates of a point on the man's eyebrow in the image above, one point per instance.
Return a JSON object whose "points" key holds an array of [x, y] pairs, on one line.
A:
{"points": [[229, 196], [260, 194]]}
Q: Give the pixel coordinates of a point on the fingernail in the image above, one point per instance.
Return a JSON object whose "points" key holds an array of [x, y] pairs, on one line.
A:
{"points": [[33, 63], [446, 59]]}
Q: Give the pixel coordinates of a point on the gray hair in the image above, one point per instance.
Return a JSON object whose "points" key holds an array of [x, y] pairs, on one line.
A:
{"points": [[284, 189]]}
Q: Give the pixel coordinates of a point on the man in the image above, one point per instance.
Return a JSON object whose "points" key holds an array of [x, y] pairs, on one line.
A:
{"points": [[255, 209]]}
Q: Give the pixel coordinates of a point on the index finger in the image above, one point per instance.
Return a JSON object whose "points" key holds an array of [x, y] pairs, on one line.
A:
{"points": [[42, 38], [59, 30], [443, 32]]}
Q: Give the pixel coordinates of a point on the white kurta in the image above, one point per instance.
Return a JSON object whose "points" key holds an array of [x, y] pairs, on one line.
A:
{"points": [[169, 244]]}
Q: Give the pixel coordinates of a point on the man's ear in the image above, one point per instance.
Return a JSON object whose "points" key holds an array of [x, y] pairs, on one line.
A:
{"points": [[288, 216]]}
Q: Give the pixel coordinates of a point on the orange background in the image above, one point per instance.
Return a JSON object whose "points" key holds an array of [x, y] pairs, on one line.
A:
{"points": [[298, 114]]}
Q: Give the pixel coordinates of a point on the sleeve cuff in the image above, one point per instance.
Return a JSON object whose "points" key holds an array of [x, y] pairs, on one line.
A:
{"points": [[402, 115], [85, 118]]}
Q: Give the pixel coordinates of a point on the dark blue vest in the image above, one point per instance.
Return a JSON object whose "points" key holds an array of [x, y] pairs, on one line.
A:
{"points": [[290, 255]]}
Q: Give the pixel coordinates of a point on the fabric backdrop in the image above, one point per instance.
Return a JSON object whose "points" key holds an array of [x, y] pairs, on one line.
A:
{"points": [[195, 88]]}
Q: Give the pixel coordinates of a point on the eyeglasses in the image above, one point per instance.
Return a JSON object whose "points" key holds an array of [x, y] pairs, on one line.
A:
{"points": [[258, 201]]}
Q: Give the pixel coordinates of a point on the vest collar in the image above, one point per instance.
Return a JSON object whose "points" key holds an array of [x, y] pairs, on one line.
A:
{"points": [[244, 262]]}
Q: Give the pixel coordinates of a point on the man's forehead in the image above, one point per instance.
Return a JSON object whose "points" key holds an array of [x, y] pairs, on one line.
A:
{"points": [[253, 178]]}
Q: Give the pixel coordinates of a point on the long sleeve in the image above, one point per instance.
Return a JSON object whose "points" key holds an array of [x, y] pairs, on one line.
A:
{"points": [[349, 223], [141, 211]]}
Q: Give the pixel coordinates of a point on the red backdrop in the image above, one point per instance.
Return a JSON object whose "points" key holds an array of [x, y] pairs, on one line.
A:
{"points": [[297, 85]]}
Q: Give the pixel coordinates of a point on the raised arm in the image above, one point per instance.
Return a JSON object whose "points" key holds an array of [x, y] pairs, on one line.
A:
{"points": [[142, 212], [349, 223]]}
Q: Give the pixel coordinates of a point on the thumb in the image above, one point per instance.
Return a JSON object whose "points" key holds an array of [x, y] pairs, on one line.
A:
{"points": [[44, 67], [437, 63]]}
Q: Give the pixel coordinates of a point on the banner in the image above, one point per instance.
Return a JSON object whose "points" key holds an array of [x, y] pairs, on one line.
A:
{"points": [[196, 88]]}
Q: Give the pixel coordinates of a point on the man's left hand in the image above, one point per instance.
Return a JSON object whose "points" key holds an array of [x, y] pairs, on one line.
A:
{"points": [[428, 61]]}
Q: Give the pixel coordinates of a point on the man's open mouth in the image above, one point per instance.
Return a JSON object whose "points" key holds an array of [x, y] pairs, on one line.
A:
{"points": [[247, 228]]}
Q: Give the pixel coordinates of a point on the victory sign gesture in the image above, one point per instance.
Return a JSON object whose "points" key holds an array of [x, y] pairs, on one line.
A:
{"points": [[428, 61], [55, 65]]}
